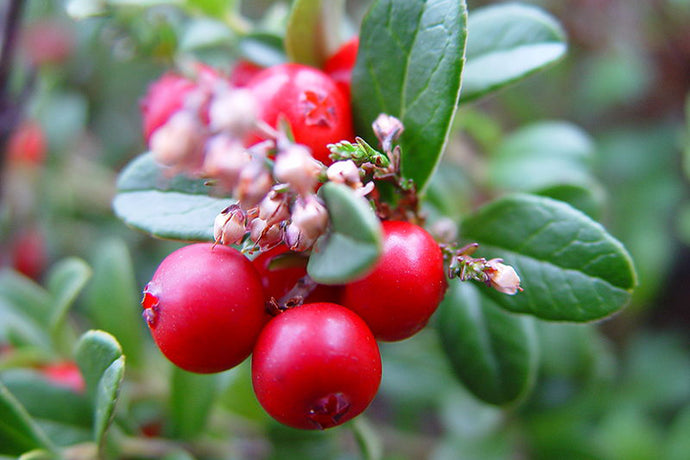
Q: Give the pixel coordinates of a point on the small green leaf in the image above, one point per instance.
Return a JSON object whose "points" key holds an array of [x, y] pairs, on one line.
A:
{"points": [[541, 155], [354, 242], [507, 43], [191, 399], [492, 352], [106, 398], [175, 208], [312, 30], [112, 299], [571, 268], [95, 352], [409, 65], [65, 281], [19, 433], [26, 297]]}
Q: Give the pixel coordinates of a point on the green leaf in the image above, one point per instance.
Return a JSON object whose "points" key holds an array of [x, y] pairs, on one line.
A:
{"points": [[588, 199], [26, 297], [106, 398], [370, 444], [541, 155], [95, 352], [492, 352], [175, 208], [312, 30], [65, 281], [39, 454], [191, 400], [112, 299], [263, 49], [19, 433], [507, 43], [409, 65], [571, 268], [354, 242], [677, 445]]}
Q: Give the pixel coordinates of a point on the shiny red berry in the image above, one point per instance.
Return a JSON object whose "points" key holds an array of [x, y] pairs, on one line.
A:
{"points": [[317, 111], [339, 65], [405, 287], [281, 269], [316, 366], [205, 307]]}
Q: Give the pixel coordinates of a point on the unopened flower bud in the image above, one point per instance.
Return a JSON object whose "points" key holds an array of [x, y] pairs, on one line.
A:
{"points": [[254, 183], [296, 239], [444, 230], [225, 159], [229, 227], [310, 216], [264, 234], [387, 129], [344, 172], [234, 111], [179, 142], [296, 167], [274, 207], [502, 277]]}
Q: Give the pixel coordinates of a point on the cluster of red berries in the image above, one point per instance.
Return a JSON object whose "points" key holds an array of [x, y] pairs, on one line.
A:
{"points": [[315, 365]]}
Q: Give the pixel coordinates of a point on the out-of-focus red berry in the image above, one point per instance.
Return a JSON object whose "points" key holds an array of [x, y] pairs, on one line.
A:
{"points": [[65, 374], [165, 96], [27, 144], [47, 42], [28, 253], [339, 65], [242, 72]]}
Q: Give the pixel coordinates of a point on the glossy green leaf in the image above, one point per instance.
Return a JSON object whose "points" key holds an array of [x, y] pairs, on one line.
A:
{"points": [[492, 352], [588, 199], [65, 281], [409, 65], [191, 399], [95, 352], [541, 155], [354, 241], [571, 268], [175, 208], [107, 394], [112, 299], [508, 42], [19, 433], [312, 30]]}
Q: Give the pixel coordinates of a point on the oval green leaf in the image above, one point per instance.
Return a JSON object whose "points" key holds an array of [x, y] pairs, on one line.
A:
{"points": [[107, 395], [19, 433], [571, 268], [177, 208], [507, 43], [191, 400], [65, 281], [312, 30], [492, 352], [354, 241], [409, 65], [95, 352]]}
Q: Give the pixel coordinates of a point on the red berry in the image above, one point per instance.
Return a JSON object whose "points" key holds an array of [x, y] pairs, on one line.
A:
{"points": [[242, 72], [65, 374], [316, 366], [278, 279], [315, 108], [405, 287], [205, 307], [28, 253], [339, 66], [165, 96], [48, 41], [27, 144]]}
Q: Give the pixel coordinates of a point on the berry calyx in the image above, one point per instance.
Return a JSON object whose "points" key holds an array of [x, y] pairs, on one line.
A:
{"points": [[405, 287], [316, 366], [205, 307]]}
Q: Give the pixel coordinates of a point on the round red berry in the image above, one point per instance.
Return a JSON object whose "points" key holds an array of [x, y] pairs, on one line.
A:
{"points": [[242, 72], [165, 96], [316, 366], [280, 269], [27, 144], [65, 374], [205, 307], [317, 111], [405, 287], [339, 65]]}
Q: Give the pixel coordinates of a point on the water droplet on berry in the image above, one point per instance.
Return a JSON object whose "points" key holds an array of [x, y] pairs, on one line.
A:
{"points": [[329, 410], [150, 303]]}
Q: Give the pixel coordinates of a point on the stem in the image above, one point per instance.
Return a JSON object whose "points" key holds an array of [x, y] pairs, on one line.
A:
{"points": [[294, 297]]}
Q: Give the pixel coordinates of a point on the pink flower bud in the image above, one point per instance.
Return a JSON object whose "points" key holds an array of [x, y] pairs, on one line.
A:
{"points": [[254, 183], [310, 216], [502, 277], [179, 143], [296, 239], [225, 159], [387, 129], [265, 235], [344, 172], [274, 207], [229, 227], [234, 111], [296, 167]]}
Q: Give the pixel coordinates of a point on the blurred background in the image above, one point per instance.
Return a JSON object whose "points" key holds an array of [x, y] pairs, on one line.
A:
{"points": [[620, 389]]}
